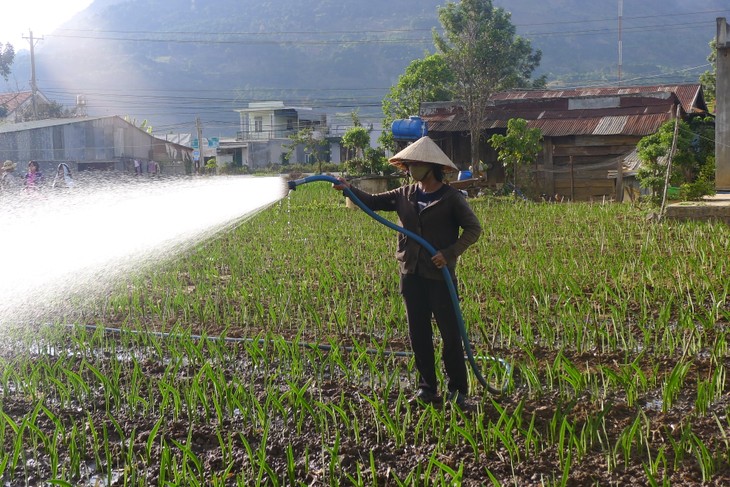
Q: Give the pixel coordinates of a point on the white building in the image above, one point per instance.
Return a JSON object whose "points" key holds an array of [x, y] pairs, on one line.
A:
{"points": [[265, 129]]}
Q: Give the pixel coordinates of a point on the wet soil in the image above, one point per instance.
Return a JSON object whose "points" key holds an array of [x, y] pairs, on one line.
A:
{"points": [[374, 459]]}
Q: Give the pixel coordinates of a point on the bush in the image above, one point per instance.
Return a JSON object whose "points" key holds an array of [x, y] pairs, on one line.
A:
{"points": [[235, 169], [298, 168], [693, 164], [703, 185], [210, 166], [373, 162]]}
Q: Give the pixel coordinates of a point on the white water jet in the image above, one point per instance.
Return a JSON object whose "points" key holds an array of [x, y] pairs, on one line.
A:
{"points": [[53, 242]]}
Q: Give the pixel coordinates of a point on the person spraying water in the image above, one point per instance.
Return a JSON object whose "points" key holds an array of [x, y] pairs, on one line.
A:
{"points": [[438, 225], [437, 212]]}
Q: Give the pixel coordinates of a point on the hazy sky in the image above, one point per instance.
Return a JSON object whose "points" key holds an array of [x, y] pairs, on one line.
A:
{"points": [[40, 16]]}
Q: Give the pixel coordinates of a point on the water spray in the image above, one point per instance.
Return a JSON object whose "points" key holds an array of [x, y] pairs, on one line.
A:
{"points": [[505, 366], [58, 244]]}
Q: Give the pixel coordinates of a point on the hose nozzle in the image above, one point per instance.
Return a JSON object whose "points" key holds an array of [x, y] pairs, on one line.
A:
{"points": [[292, 185]]}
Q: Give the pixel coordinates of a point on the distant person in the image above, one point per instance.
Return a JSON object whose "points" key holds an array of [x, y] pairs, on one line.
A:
{"points": [[34, 177], [152, 168], [63, 179], [137, 167], [8, 181]]}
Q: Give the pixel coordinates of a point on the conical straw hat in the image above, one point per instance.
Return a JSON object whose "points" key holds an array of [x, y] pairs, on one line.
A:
{"points": [[422, 150]]}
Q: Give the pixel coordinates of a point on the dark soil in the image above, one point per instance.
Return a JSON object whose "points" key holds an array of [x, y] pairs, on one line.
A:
{"points": [[375, 459]]}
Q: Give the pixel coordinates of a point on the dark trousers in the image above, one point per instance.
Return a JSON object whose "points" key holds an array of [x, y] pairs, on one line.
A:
{"points": [[425, 298]]}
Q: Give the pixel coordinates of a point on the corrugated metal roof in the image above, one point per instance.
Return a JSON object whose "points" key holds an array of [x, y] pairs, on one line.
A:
{"points": [[631, 164], [444, 117], [562, 113], [560, 128], [37, 124], [645, 124], [688, 94], [458, 125], [610, 125], [8, 128]]}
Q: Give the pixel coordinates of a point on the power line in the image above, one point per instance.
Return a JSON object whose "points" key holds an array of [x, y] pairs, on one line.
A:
{"points": [[385, 31], [613, 19], [608, 30], [345, 42], [643, 78], [182, 103], [338, 42]]}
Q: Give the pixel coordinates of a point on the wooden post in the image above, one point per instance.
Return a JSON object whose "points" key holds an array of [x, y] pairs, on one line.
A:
{"points": [[549, 167], [620, 180], [572, 181], [669, 162]]}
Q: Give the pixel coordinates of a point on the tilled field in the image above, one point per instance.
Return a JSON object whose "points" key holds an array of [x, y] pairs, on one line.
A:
{"points": [[265, 357]]}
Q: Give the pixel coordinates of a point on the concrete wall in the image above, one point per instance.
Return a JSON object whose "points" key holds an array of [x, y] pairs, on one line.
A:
{"points": [[722, 108]]}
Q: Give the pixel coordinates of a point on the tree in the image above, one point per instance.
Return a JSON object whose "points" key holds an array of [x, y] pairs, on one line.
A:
{"points": [[519, 147], [7, 56], [485, 55], [692, 163], [313, 142], [366, 160], [44, 111], [355, 117], [356, 138], [143, 125], [427, 79]]}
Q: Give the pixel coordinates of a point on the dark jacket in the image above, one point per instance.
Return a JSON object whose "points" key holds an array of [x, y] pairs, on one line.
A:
{"points": [[439, 224]]}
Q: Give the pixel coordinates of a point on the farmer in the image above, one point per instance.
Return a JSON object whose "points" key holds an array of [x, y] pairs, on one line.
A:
{"points": [[8, 181], [440, 214]]}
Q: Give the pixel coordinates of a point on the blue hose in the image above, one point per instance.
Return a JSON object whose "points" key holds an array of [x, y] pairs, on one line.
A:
{"points": [[447, 277]]}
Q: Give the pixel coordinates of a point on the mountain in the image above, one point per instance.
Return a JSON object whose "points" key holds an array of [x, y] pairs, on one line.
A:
{"points": [[170, 61]]}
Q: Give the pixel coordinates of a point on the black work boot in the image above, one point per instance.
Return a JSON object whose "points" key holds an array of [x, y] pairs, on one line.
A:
{"points": [[425, 396]]}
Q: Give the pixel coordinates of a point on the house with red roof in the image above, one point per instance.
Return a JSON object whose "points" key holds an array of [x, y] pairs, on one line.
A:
{"points": [[17, 106]]}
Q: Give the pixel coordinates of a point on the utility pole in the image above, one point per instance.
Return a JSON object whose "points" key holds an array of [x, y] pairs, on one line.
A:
{"points": [[33, 85], [722, 107], [620, 41]]}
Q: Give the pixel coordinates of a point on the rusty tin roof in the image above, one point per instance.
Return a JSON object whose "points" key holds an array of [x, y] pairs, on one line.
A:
{"points": [[636, 111], [690, 95]]}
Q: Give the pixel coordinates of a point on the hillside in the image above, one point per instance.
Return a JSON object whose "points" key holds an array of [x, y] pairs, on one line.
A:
{"points": [[174, 60]]}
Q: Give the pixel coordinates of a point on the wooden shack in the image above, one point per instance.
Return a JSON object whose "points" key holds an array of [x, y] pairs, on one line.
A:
{"points": [[588, 133]]}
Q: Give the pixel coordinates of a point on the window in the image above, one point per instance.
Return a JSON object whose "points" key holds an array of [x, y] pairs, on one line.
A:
{"points": [[290, 124], [258, 124]]}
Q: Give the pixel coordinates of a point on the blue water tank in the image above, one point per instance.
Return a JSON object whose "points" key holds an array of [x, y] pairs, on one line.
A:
{"points": [[412, 128]]}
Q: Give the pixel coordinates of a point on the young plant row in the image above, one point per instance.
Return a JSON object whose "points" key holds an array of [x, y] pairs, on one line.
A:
{"points": [[282, 360]]}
